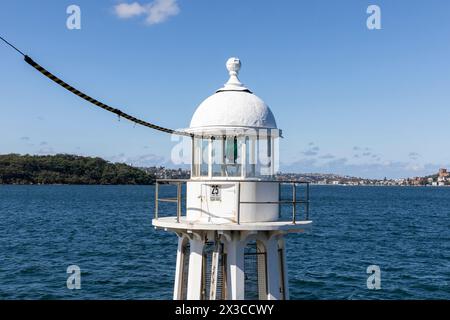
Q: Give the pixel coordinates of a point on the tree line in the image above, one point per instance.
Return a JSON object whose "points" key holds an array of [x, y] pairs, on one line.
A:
{"points": [[68, 169]]}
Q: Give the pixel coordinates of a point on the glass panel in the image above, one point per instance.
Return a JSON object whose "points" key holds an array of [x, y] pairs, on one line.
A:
{"points": [[226, 156], [205, 157], [250, 156], [260, 154], [264, 161], [196, 151], [233, 147], [218, 154]]}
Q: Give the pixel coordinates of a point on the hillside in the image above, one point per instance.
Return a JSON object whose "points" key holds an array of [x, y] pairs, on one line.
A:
{"points": [[67, 169]]}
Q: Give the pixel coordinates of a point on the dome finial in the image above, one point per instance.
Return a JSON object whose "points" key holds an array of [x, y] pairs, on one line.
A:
{"points": [[233, 65]]}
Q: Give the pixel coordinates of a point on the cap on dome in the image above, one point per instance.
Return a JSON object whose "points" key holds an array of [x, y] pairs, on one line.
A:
{"points": [[233, 84], [233, 105]]}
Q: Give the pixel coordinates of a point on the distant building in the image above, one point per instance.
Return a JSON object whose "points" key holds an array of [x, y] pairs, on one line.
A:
{"points": [[443, 173], [442, 179]]}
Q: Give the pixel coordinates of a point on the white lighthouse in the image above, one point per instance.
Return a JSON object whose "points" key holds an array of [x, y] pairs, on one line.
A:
{"points": [[231, 232]]}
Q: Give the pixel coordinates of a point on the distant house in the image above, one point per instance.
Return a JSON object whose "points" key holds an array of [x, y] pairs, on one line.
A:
{"points": [[443, 173]]}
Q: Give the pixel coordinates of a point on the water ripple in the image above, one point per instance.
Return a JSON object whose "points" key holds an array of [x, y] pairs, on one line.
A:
{"points": [[107, 231]]}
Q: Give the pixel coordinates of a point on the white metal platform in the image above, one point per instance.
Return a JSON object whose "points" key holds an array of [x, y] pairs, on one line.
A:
{"points": [[170, 223]]}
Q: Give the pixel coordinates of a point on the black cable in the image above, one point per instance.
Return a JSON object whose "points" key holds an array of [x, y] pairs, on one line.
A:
{"points": [[95, 102], [99, 104]]}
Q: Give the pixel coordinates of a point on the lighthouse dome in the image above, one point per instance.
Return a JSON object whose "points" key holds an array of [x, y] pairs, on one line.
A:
{"points": [[233, 106]]}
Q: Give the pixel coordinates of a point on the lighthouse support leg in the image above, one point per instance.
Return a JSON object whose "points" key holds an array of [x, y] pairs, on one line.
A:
{"points": [[282, 246], [177, 291], [194, 286], [235, 269], [273, 270]]}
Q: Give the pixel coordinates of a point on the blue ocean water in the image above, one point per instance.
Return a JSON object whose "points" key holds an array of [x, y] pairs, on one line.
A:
{"points": [[107, 232]]}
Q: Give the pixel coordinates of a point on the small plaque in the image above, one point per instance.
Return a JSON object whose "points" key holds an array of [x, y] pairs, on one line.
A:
{"points": [[215, 194]]}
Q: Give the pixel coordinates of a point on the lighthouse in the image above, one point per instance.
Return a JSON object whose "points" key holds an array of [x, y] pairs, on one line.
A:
{"points": [[232, 220]]}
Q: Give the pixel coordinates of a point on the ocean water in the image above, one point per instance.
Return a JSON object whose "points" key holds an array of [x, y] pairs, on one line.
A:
{"points": [[107, 232]]}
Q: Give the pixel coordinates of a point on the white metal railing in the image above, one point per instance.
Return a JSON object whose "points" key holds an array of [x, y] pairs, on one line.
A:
{"points": [[179, 183], [294, 201]]}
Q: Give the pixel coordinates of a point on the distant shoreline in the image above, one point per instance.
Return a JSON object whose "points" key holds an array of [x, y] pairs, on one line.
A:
{"points": [[153, 184], [67, 184], [67, 169]]}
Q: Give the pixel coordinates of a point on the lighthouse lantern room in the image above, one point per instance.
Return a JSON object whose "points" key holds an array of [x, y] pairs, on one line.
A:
{"points": [[231, 235]]}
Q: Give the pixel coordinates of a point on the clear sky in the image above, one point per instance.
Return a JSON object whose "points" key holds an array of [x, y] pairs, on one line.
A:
{"points": [[350, 100]]}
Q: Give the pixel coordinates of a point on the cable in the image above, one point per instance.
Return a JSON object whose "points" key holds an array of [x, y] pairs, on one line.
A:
{"points": [[9, 44], [95, 102]]}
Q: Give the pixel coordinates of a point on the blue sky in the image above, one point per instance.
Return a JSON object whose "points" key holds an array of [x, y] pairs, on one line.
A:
{"points": [[369, 103]]}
